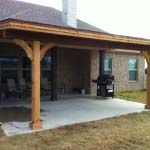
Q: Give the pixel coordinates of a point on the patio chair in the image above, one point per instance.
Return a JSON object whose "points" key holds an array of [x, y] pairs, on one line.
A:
{"points": [[12, 89], [45, 86]]}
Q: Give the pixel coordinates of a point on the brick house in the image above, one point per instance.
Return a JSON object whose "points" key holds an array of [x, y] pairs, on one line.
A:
{"points": [[38, 42], [71, 75], [114, 62], [128, 69]]}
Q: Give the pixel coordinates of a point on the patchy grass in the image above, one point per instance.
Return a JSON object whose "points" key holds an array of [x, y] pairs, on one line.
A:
{"points": [[129, 132], [137, 96]]}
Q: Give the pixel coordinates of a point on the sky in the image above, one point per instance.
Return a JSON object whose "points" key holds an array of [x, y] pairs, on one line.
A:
{"points": [[123, 17]]}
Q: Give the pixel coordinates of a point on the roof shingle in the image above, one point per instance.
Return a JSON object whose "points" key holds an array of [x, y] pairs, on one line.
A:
{"points": [[12, 9]]}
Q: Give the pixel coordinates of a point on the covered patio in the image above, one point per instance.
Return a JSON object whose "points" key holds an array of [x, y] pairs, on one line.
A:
{"points": [[37, 39], [73, 110]]}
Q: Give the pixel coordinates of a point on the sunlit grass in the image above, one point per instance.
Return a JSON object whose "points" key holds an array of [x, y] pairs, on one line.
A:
{"points": [[137, 96]]}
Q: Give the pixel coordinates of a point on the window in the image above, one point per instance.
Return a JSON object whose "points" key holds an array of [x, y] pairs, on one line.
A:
{"points": [[132, 67], [46, 63], [26, 69], [107, 65], [8, 68], [46, 67]]}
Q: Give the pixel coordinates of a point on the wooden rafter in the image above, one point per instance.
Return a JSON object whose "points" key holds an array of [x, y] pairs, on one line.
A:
{"points": [[45, 48], [25, 46]]}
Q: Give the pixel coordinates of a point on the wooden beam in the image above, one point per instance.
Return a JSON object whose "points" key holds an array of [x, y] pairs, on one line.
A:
{"points": [[35, 123], [74, 42], [25, 46], [45, 48], [40, 28], [146, 54]]}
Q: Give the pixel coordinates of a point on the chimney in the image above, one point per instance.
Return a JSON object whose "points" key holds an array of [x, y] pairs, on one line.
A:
{"points": [[69, 13]]}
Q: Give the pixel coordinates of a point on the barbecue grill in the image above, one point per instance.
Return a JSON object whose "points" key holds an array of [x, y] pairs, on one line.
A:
{"points": [[105, 85]]}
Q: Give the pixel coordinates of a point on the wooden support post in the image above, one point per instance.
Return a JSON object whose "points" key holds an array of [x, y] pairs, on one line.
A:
{"points": [[35, 54], [147, 106], [147, 57], [35, 123]]}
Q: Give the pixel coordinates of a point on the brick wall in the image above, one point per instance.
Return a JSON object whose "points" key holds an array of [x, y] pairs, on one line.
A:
{"points": [[120, 71], [77, 69], [94, 70], [73, 69]]}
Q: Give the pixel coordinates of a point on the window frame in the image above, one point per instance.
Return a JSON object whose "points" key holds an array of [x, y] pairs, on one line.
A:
{"points": [[109, 71], [43, 68], [133, 70]]}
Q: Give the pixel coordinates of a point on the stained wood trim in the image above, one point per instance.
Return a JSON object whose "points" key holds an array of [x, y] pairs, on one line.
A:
{"points": [[25, 26], [148, 87], [146, 55], [25, 46], [36, 124], [45, 48]]}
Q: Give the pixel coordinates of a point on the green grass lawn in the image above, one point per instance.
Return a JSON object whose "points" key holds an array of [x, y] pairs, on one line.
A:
{"points": [[137, 96]]}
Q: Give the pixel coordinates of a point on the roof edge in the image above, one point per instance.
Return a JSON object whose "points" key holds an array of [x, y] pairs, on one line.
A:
{"points": [[57, 30]]}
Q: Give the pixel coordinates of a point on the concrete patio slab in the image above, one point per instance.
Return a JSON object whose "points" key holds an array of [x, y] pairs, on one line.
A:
{"points": [[71, 111]]}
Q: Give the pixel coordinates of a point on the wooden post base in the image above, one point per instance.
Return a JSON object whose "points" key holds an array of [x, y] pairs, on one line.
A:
{"points": [[35, 125], [147, 106]]}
